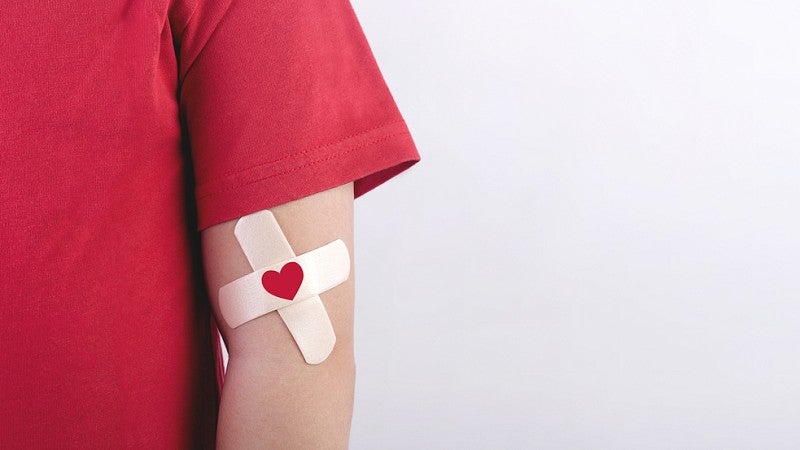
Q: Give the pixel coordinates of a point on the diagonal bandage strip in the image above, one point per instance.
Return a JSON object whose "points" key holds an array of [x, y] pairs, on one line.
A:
{"points": [[246, 298]]}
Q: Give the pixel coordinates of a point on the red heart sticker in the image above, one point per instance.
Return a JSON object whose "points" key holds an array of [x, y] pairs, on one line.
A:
{"points": [[283, 284]]}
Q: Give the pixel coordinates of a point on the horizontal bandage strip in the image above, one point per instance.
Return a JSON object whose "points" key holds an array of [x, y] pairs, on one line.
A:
{"points": [[245, 299]]}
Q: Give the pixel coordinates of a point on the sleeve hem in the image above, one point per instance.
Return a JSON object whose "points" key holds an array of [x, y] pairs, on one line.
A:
{"points": [[368, 159]]}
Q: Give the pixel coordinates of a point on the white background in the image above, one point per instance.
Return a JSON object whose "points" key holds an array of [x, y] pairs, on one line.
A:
{"points": [[600, 247]]}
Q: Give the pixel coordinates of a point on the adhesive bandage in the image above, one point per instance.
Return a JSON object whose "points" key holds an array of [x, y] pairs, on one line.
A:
{"points": [[284, 282]]}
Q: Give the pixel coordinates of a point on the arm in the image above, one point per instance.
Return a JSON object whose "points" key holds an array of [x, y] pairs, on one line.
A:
{"points": [[271, 398]]}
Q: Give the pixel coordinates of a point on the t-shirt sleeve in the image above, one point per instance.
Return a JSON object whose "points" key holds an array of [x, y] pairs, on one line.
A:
{"points": [[282, 99]]}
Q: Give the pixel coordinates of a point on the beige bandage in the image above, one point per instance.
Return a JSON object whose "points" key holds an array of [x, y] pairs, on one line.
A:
{"points": [[287, 283]]}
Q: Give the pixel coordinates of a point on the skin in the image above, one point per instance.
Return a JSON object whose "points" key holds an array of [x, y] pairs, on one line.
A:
{"points": [[271, 398]]}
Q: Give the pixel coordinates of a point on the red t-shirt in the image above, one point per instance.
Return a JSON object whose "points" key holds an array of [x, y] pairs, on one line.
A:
{"points": [[126, 128]]}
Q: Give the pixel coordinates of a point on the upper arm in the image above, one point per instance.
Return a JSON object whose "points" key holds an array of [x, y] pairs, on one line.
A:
{"points": [[271, 398]]}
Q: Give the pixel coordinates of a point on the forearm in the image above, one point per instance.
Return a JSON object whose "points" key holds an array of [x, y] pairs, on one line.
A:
{"points": [[271, 397]]}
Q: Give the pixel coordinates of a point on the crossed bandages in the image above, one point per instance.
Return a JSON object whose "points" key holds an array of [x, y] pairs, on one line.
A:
{"points": [[284, 282]]}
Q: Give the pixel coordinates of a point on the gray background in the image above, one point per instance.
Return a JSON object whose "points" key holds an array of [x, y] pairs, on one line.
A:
{"points": [[600, 247]]}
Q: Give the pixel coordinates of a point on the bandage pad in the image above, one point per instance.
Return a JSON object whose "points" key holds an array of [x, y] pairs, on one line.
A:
{"points": [[285, 282]]}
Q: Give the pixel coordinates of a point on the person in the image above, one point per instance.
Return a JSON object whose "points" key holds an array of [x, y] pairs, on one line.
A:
{"points": [[134, 135]]}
